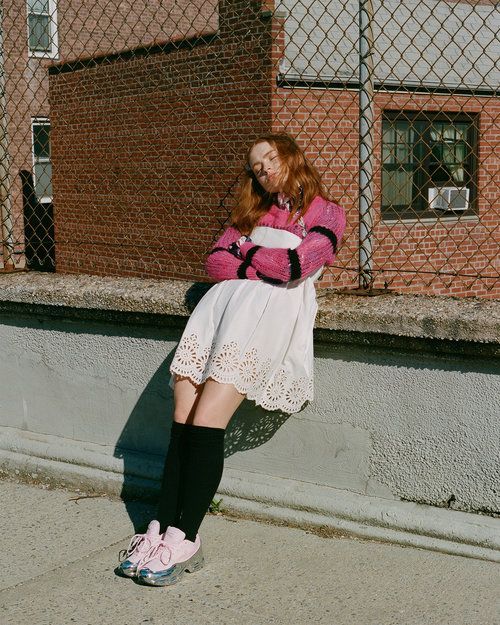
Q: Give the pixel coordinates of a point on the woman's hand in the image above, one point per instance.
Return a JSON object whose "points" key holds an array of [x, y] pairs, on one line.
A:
{"points": [[234, 248]]}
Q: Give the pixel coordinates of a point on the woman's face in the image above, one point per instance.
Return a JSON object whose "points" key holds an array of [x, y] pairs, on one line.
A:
{"points": [[267, 167]]}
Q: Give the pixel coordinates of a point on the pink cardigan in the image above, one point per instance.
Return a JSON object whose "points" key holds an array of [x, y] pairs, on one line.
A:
{"points": [[323, 223]]}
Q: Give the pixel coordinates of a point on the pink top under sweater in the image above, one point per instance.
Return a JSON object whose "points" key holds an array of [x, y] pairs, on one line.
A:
{"points": [[324, 224]]}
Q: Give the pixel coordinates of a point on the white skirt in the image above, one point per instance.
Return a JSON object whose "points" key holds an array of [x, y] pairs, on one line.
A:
{"points": [[256, 336]]}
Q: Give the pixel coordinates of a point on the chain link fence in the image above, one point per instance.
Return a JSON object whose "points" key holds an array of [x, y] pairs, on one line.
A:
{"points": [[124, 126]]}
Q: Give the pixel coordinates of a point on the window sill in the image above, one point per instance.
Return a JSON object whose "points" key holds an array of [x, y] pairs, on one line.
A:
{"points": [[431, 220], [51, 56]]}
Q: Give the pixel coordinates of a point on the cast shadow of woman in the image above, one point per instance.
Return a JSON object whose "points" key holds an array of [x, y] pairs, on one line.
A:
{"points": [[143, 442]]}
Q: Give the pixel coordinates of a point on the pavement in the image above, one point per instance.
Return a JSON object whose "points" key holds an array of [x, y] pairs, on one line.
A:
{"points": [[59, 550]]}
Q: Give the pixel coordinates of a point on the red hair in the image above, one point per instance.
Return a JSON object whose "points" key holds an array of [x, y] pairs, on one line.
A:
{"points": [[302, 184]]}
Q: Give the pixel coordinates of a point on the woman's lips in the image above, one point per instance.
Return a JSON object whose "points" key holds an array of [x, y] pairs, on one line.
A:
{"points": [[271, 181]]}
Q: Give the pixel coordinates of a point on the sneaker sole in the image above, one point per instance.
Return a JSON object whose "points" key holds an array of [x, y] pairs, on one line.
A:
{"points": [[127, 570], [172, 575]]}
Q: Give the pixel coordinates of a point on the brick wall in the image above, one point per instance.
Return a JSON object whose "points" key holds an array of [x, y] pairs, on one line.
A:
{"points": [[101, 27], [85, 28], [145, 149], [409, 256]]}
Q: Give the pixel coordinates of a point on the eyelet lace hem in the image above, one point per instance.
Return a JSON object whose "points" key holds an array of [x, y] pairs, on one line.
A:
{"points": [[249, 372]]}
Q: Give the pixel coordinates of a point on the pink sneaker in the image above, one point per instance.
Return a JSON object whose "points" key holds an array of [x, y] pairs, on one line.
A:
{"points": [[170, 559], [138, 548]]}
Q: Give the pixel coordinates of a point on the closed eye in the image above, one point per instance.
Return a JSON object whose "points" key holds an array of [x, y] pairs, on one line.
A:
{"points": [[258, 169]]}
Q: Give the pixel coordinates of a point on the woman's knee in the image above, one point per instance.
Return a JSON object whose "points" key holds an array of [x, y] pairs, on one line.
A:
{"points": [[181, 416], [218, 402], [186, 398]]}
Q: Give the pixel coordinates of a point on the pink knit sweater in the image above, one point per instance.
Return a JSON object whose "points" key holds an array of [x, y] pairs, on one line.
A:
{"points": [[324, 224]]}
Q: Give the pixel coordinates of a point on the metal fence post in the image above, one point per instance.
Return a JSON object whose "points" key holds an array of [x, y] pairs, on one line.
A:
{"points": [[5, 213], [366, 115]]}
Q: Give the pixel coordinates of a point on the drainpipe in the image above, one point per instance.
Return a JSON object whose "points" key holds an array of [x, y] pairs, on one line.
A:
{"points": [[366, 115]]}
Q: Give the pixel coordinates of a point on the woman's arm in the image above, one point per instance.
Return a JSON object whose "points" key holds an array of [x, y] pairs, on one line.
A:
{"points": [[224, 264], [318, 248]]}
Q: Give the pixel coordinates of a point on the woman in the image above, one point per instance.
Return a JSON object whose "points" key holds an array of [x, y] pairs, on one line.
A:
{"points": [[250, 336]]}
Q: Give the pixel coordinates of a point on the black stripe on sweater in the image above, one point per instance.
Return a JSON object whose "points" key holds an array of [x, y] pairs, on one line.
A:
{"points": [[327, 233], [242, 269], [264, 278], [251, 253], [295, 268], [217, 249]]}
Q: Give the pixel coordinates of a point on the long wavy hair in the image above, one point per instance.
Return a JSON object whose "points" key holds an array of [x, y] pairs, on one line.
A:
{"points": [[302, 183]]}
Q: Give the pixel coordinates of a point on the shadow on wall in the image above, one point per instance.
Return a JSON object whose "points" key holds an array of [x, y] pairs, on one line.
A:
{"points": [[251, 427], [143, 442]]}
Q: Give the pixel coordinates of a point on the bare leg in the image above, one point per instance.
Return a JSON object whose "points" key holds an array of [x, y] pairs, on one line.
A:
{"points": [[203, 469], [210, 404], [195, 457], [216, 405], [186, 397]]}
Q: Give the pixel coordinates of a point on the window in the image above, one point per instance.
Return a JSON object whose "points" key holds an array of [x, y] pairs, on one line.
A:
{"points": [[42, 167], [42, 28], [429, 164]]}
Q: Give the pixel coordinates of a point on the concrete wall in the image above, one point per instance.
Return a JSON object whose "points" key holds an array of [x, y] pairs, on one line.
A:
{"points": [[85, 399]]}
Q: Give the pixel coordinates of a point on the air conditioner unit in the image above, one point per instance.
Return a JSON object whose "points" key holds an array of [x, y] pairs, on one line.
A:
{"points": [[449, 198]]}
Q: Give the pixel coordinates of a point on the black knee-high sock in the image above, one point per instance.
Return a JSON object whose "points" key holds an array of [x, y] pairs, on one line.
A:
{"points": [[169, 503], [201, 475]]}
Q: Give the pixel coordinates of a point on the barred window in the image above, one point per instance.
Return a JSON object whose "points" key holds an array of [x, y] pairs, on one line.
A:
{"points": [[42, 27], [42, 166], [429, 164]]}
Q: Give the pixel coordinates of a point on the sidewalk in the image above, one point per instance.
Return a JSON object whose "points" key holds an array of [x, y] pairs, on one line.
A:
{"points": [[59, 554]]}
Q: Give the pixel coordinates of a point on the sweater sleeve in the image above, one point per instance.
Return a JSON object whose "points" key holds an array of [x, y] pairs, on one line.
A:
{"points": [[318, 248], [222, 264]]}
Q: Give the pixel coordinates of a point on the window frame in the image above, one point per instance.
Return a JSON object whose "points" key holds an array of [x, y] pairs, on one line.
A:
{"points": [[40, 121], [53, 53], [419, 208]]}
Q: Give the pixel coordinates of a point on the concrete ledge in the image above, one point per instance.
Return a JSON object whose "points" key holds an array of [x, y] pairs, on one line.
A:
{"points": [[83, 453], [93, 467], [471, 320], [404, 523], [77, 464]]}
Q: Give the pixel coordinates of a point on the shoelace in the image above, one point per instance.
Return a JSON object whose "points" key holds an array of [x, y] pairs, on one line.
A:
{"points": [[156, 551], [135, 543]]}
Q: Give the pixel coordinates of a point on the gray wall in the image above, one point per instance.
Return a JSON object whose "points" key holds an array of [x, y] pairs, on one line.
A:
{"points": [[417, 426], [85, 396]]}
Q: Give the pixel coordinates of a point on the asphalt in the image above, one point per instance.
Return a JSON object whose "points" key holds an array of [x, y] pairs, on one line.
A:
{"points": [[59, 551]]}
